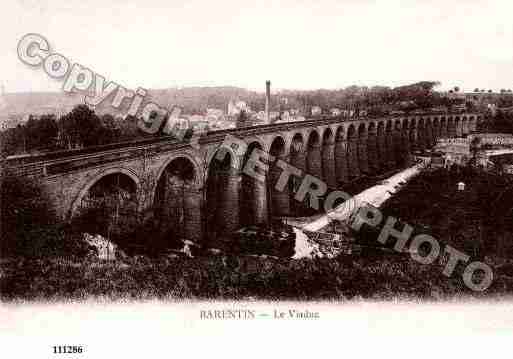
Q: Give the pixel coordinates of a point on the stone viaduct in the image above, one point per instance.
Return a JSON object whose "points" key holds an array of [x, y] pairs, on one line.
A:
{"points": [[169, 175]]}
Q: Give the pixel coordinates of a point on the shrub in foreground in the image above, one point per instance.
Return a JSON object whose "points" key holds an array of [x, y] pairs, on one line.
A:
{"points": [[230, 278]]}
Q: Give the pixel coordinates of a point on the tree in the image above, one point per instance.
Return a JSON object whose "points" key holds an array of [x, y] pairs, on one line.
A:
{"points": [[47, 132], [129, 129], [81, 127], [13, 140], [242, 119], [474, 148], [25, 213], [31, 133], [109, 131]]}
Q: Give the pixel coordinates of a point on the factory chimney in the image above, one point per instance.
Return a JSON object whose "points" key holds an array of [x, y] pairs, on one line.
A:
{"points": [[267, 101]]}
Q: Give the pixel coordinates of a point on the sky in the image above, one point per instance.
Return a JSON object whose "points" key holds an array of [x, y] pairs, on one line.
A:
{"points": [[296, 44]]}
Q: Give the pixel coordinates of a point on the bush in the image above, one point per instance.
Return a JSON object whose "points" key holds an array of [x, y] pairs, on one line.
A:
{"points": [[25, 214], [232, 278], [29, 226]]}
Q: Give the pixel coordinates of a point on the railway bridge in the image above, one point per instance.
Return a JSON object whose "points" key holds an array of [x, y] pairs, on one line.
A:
{"points": [[193, 190]]}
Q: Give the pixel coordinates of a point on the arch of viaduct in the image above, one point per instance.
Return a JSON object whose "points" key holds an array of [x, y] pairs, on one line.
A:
{"points": [[217, 192]]}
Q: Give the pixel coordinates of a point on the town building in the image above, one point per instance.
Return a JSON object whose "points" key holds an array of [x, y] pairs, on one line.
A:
{"points": [[316, 111]]}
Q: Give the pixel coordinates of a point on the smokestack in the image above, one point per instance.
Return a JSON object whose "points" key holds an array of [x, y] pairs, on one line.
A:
{"points": [[267, 101]]}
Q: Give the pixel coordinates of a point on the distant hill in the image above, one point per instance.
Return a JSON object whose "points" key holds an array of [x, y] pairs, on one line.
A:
{"points": [[191, 99], [198, 99], [22, 102]]}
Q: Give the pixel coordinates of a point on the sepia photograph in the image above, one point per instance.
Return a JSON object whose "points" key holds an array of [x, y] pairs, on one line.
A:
{"points": [[228, 178]]}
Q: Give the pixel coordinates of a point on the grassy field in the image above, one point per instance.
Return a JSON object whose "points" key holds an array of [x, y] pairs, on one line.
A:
{"points": [[380, 278], [478, 220]]}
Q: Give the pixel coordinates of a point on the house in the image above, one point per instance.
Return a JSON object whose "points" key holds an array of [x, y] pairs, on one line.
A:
{"points": [[235, 107], [316, 111], [335, 111]]}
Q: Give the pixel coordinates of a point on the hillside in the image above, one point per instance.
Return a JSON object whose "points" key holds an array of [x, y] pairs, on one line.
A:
{"points": [[191, 99]]}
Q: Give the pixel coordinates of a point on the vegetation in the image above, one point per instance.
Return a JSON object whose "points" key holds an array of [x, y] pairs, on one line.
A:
{"points": [[77, 129], [376, 101], [502, 122], [478, 220], [243, 277], [29, 228]]}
